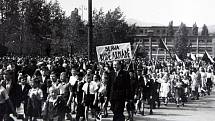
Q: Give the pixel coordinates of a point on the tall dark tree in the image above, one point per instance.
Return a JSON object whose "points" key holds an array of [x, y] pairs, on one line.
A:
{"points": [[170, 30], [195, 29], [76, 33], [181, 40], [205, 31], [9, 23], [111, 27], [57, 28], [34, 23]]}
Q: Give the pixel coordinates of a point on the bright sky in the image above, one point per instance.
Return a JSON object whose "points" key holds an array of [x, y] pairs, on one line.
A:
{"points": [[154, 11]]}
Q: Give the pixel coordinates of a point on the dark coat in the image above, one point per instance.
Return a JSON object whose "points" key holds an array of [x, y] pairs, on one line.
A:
{"points": [[120, 87], [23, 93], [13, 94], [152, 88], [44, 87], [53, 110]]}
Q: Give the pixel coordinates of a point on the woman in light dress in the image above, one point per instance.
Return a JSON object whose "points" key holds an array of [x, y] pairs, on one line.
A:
{"points": [[165, 88]]}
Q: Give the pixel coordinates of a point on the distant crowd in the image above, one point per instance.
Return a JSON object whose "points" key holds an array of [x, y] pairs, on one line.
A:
{"points": [[56, 88]]}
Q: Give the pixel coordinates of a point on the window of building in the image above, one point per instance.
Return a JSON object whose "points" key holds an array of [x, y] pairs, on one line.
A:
{"points": [[145, 40], [194, 49], [202, 49], [193, 40], [158, 31], [164, 31], [209, 49], [141, 31], [210, 40], [201, 40], [169, 40], [161, 49], [146, 31], [154, 40]]}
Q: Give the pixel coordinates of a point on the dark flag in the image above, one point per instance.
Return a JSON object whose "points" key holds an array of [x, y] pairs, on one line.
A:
{"points": [[162, 45], [207, 58]]}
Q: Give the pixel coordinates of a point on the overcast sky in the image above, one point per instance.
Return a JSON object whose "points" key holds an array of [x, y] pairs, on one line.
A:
{"points": [[154, 11]]}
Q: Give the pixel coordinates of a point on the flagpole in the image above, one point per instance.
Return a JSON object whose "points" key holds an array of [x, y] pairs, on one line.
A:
{"points": [[165, 50], [134, 54], [197, 51], [157, 53]]}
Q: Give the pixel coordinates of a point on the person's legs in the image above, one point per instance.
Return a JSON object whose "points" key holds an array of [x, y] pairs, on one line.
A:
{"points": [[151, 106], [138, 106], [74, 105], [2, 111], [1, 117], [86, 112], [143, 105], [118, 109], [158, 101], [61, 117], [165, 101], [197, 92]]}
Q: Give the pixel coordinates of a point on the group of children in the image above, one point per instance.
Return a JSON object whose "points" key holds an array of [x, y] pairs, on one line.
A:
{"points": [[56, 90]]}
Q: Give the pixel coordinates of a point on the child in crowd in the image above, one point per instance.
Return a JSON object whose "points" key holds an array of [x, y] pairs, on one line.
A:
{"points": [[55, 107], [90, 93], [79, 92], [23, 91], [35, 100]]}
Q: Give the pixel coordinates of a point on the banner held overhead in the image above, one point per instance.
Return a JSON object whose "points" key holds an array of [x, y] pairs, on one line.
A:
{"points": [[114, 52]]}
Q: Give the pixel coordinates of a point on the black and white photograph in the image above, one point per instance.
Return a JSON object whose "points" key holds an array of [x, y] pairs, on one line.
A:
{"points": [[107, 60]]}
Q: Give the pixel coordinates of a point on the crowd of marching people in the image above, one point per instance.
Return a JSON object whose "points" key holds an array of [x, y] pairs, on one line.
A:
{"points": [[57, 88]]}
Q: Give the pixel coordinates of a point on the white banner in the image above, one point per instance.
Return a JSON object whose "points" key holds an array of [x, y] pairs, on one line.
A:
{"points": [[114, 52]]}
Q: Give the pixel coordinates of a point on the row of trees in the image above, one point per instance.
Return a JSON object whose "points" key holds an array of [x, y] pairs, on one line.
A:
{"points": [[182, 43], [35, 27]]}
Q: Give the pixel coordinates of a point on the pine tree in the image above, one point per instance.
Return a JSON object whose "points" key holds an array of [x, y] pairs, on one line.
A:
{"points": [[181, 41]]}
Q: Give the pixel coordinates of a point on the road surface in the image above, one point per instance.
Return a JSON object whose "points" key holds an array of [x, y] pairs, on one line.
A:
{"points": [[198, 110]]}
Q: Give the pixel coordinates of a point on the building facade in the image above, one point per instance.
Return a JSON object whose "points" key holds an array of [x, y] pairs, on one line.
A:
{"points": [[149, 37]]}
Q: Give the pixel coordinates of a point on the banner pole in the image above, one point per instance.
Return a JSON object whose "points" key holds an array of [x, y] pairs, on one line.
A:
{"points": [[165, 50], [157, 53], [134, 54]]}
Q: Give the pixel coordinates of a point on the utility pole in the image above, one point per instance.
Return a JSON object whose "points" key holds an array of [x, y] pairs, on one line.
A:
{"points": [[90, 30]]}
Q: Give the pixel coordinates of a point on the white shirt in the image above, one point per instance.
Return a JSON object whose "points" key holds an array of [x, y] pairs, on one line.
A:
{"points": [[8, 86], [102, 88], [209, 75], [72, 80], [93, 87], [3, 95], [36, 91], [23, 86]]}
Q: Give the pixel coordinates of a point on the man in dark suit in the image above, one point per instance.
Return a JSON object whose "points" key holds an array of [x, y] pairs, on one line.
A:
{"points": [[22, 91], [46, 83], [120, 91]]}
